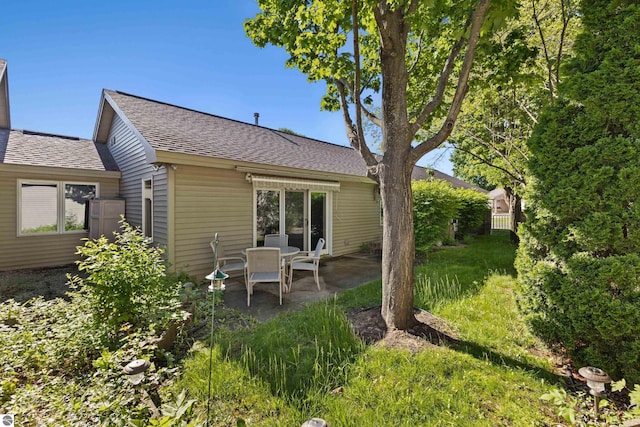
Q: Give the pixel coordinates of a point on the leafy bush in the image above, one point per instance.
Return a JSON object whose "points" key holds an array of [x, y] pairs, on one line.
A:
{"points": [[436, 203], [473, 209], [62, 360], [126, 283], [434, 206], [578, 262]]}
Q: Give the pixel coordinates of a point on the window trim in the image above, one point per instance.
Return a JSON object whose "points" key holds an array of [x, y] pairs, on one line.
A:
{"points": [[60, 205], [148, 192]]}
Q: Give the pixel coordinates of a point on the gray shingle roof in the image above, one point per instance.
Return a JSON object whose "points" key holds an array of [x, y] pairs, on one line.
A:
{"points": [[420, 173], [180, 130], [29, 148]]}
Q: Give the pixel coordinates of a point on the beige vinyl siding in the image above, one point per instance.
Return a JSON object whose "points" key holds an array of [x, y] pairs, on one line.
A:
{"points": [[356, 218], [129, 154], [208, 201], [36, 251]]}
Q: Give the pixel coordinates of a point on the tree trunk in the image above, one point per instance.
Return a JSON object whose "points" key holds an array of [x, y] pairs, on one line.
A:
{"points": [[515, 209], [398, 250], [394, 174]]}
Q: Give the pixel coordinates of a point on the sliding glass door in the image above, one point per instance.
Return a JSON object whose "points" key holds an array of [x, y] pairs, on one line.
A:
{"points": [[295, 218], [267, 214], [302, 214], [318, 221]]}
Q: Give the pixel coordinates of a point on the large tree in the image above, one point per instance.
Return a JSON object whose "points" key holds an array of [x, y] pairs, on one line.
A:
{"points": [[518, 72], [415, 55]]}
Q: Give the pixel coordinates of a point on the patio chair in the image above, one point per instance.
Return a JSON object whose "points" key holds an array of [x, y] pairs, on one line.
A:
{"points": [[264, 265], [276, 240], [309, 261], [227, 263]]}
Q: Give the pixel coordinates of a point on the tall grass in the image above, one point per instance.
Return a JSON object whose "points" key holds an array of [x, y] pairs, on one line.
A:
{"points": [[431, 293], [310, 364], [304, 352], [452, 273]]}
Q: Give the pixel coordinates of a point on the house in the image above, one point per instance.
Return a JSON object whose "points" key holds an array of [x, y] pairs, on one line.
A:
{"points": [[501, 209], [186, 175], [45, 182]]}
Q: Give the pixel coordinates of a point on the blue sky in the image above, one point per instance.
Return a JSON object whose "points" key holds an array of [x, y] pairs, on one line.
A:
{"points": [[194, 53]]}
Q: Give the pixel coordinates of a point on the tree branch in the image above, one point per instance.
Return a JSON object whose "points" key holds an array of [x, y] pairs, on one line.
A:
{"points": [[461, 90], [369, 115], [352, 133], [440, 88], [415, 61], [357, 72], [544, 49], [491, 147], [517, 178]]}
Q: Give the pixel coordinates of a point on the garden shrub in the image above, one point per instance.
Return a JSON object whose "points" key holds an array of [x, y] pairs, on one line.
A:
{"points": [[434, 206], [436, 203], [62, 359], [578, 261], [473, 210], [126, 283]]}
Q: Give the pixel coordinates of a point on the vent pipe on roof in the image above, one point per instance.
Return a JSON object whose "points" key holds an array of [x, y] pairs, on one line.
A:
{"points": [[257, 117]]}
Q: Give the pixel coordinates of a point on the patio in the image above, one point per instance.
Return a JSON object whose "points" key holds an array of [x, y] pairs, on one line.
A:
{"points": [[336, 275]]}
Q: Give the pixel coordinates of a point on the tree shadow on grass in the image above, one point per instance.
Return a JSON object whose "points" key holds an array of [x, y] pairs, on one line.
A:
{"points": [[486, 354]]}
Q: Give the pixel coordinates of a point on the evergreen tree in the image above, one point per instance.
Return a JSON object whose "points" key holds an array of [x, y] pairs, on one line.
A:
{"points": [[579, 263]]}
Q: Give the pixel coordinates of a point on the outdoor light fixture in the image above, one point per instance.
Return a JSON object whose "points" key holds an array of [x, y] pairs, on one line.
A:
{"points": [[135, 370], [596, 380]]}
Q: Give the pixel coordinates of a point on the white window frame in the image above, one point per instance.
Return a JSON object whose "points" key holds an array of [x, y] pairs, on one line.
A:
{"points": [[60, 205]]}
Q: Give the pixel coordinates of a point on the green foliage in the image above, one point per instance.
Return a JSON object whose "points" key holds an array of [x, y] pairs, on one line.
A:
{"points": [[126, 283], [56, 371], [432, 293], [473, 210], [41, 229], [312, 356], [577, 408], [236, 395], [436, 203], [516, 74], [27, 342], [62, 359], [578, 263], [434, 206]]}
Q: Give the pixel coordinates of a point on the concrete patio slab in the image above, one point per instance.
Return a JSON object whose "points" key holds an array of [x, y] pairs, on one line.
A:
{"points": [[336, 275]]}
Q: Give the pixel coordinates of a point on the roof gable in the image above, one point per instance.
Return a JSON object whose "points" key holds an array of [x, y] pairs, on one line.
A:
{"points": [[28, 148], [174, 129]]}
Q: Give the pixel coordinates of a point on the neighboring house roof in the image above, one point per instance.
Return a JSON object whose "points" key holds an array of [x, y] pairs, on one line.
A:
{"points": [[5, 116], [497, 193], [23, 147], [420, 173], [175, 129]]}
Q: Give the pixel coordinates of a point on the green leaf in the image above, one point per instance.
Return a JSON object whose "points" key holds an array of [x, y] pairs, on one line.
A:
{"points": [[618, 385]]}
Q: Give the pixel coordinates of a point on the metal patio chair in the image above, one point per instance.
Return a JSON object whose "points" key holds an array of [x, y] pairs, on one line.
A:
{"points": [[264, 265], [276, 240], [309, 261]]}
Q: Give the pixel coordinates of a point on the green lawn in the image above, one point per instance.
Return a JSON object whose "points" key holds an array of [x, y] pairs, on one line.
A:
{"points": [[309, 364]]}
